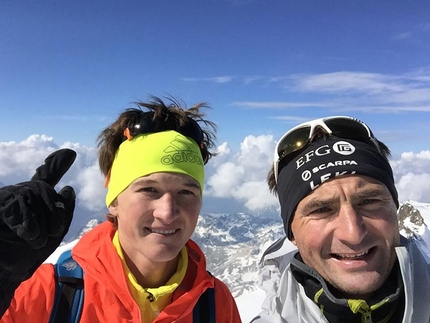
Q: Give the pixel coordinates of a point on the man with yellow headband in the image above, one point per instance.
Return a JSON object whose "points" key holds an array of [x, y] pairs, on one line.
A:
{"points": [[140, 265]]}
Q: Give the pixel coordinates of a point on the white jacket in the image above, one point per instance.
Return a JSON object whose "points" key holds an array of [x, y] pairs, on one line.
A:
{"points": [[286, 300]]}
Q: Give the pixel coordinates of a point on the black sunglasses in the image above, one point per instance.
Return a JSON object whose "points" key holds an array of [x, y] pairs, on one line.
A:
{"points": [[146, 124]]}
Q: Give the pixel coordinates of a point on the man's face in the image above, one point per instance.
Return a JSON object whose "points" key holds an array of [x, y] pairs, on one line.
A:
{"points": [[346, 230], [157, 214]]}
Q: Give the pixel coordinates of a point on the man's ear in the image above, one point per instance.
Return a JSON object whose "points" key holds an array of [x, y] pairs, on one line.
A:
{"points": [[293, 241], [113, 209]]}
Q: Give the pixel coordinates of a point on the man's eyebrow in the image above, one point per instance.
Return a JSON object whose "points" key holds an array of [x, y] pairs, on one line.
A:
{"points": [[146, 181], [192, 184], [317, 203], [372, 192], [143, 181]]}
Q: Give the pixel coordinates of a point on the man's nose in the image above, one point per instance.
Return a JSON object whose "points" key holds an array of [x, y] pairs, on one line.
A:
{"points": [[351, 228], [166, 209]]}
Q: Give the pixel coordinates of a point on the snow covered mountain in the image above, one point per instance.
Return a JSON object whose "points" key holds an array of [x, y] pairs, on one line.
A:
{"points": [[234, 244]]}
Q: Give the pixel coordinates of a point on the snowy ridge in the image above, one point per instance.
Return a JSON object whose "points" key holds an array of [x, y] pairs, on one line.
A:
{"points": [[233, 245], [91, 224], [413, 219]]}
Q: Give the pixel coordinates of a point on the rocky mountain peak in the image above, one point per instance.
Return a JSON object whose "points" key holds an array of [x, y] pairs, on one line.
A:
{"points": [[409, 219]]}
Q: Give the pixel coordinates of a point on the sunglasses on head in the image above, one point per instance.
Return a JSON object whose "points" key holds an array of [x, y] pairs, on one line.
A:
{"points": [[146, 124], [299, 137]]}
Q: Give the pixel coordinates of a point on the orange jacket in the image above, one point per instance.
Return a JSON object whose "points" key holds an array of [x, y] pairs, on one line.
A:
{"points": [[107, 297]]}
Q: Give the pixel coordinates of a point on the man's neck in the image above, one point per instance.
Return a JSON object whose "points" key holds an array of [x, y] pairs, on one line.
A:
{"points": [[385, 302]]}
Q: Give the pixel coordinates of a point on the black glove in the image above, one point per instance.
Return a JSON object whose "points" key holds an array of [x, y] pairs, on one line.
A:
{"points": [[34, 219]]}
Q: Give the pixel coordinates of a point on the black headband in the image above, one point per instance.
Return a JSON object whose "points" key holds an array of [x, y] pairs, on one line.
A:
{"points": [[325, 159]]}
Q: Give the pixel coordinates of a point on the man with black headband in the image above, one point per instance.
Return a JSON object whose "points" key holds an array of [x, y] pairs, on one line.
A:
{"points": [[339, 209]]}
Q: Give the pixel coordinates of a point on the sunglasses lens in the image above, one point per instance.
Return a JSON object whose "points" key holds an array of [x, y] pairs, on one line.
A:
{"points": [[294, 141], [192, 129], [349, 129], [143, 125], [146, 124]]}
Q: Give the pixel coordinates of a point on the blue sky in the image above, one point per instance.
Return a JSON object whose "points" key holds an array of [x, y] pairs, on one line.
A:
{"points": [[68, 68]]}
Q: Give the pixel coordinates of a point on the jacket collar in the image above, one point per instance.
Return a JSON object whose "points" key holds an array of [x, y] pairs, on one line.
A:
{"points": [[386, 304], [97, 256]]}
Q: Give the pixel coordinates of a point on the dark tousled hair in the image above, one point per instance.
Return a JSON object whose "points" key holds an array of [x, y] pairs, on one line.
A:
{"points": [[111, 137]]}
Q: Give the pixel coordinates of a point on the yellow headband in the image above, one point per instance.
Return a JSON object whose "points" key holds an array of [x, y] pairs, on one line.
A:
{"points": [[167, 151]]}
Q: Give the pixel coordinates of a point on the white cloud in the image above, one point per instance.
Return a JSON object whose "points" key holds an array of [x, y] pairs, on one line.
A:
{"points": [[418, 33], [256, 154], [20, 159], [410, 96], [292, 119], [275, 105], [92, 193], [216, 79], [343, 90], [409, 91], [346, 81], [255, 195], [243, 176], [223, 152], [220, 79], [404, 35], [354, 91], [223, 149], [409, 162], [412, 173], [250, 79], [225, 180], [414, 187]]}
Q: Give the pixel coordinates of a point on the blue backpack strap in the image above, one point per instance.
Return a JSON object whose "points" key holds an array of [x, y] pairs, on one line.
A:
{"points": [[204, 311], [69, 290]]}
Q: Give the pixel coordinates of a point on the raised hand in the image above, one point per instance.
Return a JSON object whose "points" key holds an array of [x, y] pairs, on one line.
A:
{"points": [[34, 219]]}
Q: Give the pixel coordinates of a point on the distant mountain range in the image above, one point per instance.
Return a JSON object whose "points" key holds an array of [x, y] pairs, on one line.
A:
{"points": [[234, 243]]}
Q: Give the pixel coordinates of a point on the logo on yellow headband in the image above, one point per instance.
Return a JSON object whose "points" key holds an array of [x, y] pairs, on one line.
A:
{"points": [[167, 151], [175, 152]]}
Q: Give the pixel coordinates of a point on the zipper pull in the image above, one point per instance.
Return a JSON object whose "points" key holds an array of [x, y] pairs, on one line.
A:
{"points": [[150, 297]]}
